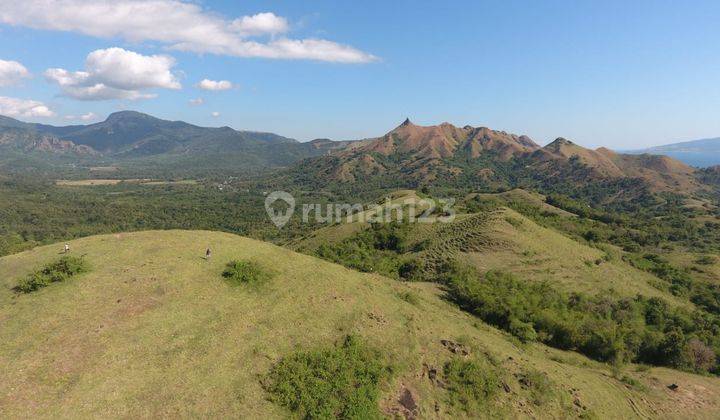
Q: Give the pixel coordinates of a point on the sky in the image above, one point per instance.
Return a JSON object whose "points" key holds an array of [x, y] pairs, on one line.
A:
{"points": [[621, 74]]}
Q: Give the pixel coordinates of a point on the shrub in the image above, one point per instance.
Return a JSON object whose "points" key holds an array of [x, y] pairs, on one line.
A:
{"points": [[375, 249], [411, 270], [706, 260], [539, 385], [522, 330], [591, 236], [410, 298], [603, 327], [471, 384], [633, 383], [340, 382], [699, 355], [55, 272], [245, 272]]}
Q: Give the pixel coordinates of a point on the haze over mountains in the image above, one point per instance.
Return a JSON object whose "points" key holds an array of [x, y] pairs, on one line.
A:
{"points": [[701, 153], [130, 135]]}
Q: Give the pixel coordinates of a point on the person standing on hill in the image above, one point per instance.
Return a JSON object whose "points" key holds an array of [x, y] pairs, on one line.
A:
{"points": [[67, 248], [208, 253]]}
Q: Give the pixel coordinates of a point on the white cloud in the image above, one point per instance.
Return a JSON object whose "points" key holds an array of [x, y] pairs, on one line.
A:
{"points": [[85, 117], [12, 72], [181, 25], [115, 73], [215, 114], [260, 24], [214, 84], [14, 107], [197, 101]]}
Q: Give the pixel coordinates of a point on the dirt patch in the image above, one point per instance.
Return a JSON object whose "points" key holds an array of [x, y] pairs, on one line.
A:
{"points": [[684, 397], [456, 348], [405, 405], [432, 374], [377, 318]]}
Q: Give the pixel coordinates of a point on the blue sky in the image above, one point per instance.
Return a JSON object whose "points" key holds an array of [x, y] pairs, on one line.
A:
{"points": [[611, 73]]}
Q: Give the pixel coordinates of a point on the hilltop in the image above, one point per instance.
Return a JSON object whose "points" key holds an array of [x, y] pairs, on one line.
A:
{"points": [[152, 330]]}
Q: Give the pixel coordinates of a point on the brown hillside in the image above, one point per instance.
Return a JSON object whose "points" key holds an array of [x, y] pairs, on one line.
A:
{"points": [[446, 140], [414, 153], [660, 172]]}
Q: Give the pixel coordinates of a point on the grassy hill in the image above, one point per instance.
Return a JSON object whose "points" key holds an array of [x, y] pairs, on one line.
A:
{"points": [[153, 330], [506, 240]]}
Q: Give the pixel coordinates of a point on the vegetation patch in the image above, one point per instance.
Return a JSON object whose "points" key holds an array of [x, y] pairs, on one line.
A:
{"points": [[376, 249], [340, 382], [242, 272], [603, 327], [679, 282], [471, 384], [410, 298], [539, 386], [56, 272], [706, 260]]}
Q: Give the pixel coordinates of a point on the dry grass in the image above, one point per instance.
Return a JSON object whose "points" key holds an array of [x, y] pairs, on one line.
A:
{"points": [[154, 331]]}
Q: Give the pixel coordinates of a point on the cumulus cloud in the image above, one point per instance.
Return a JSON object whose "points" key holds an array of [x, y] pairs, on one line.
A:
{"points": [[259, 24], [196, 101], [14, 107], [12, 72], [115, 73], [215, 114], [180, 25], [84, 117], [214, 84]]}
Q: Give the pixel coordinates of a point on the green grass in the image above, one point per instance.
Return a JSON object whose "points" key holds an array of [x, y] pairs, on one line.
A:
{"points": [[154, 331]]}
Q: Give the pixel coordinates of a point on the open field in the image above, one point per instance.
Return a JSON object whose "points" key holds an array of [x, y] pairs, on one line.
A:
{"points": [[153, 331], [100, 182]]}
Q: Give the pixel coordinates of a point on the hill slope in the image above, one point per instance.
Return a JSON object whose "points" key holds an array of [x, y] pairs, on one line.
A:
{"points": [[505, 240], [153, 331]]}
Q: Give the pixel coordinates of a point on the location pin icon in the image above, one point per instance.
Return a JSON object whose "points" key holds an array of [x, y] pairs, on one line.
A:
{"points": [[279, 218]]}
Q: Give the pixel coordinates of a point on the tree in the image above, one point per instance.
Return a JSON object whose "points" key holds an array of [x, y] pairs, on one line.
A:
{"points": [[701, 357]]}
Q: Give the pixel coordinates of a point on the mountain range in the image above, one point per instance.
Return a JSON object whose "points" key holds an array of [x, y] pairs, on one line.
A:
{"points": [[478, 157], [133, 136], [408, 156]]}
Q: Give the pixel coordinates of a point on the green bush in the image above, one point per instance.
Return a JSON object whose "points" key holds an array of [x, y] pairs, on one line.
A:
{"points": [[376, 249], [411, 270], [603, 327], [706, 260], [538, 384], [471, 384], [340, 382], [522, 330], [410, 298], [56, 272], [245, 272]]}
